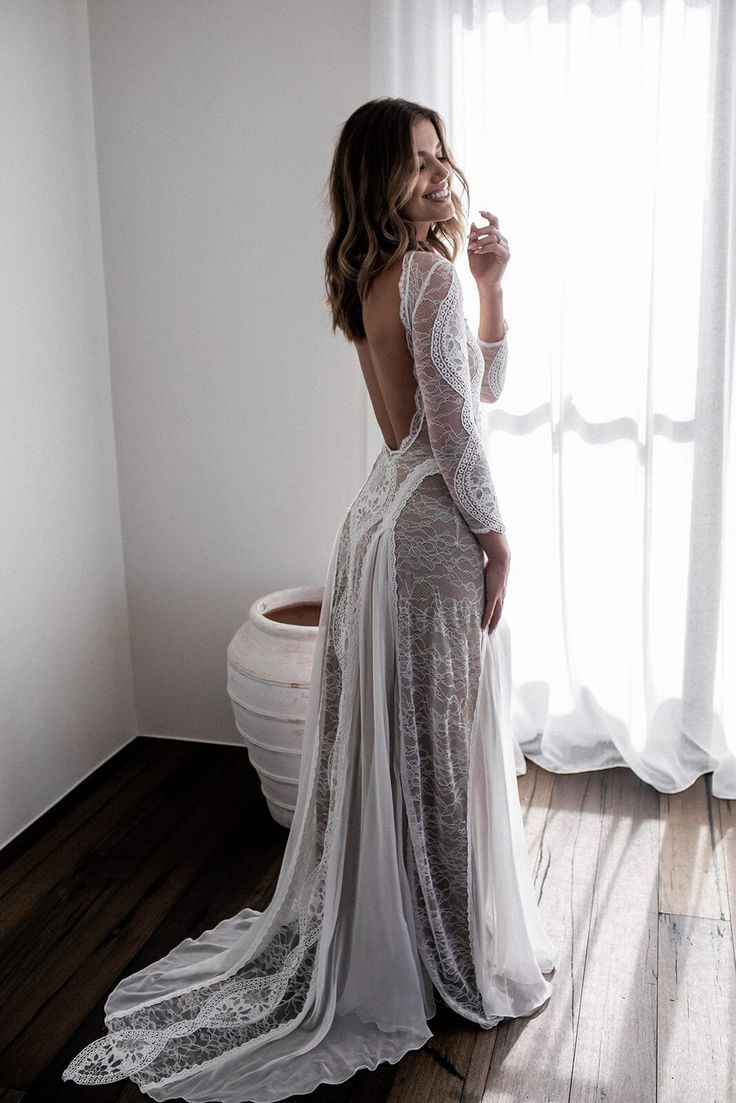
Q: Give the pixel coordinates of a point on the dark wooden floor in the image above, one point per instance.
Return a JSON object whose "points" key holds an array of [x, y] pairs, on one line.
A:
{"points": [[170, 837]]}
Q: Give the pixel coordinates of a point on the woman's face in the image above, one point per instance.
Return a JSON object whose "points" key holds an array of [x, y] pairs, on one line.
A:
{"points": [[433, 175]]}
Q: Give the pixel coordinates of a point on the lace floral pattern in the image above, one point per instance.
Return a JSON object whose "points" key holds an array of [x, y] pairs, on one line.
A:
{"points": [[397, 663], [495, 354], [438, 646]]}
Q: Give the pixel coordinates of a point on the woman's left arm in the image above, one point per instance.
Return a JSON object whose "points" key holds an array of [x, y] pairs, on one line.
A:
{"points": [[488, 255]]}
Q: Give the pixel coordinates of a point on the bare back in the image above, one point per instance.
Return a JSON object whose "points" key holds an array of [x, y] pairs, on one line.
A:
{"points": [[385, 359]]}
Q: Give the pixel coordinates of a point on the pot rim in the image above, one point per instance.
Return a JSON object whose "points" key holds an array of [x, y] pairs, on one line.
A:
{"points": [[277, 599]]}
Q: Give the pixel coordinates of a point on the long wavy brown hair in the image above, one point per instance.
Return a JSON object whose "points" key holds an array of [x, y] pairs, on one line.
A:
{"points": [[373, 174]]}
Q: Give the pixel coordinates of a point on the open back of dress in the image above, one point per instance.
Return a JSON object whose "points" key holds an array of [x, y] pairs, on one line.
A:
{"points": [[406, 868]]}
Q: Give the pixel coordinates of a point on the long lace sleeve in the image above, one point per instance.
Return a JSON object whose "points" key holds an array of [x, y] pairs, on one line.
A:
{"points": [[440, 349], [495, 355]]}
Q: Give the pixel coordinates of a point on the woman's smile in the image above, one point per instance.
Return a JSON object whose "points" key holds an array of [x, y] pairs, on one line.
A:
{"points": [[440, 194]]}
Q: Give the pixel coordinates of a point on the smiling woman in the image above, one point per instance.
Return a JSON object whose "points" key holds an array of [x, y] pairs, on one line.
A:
{"points": [[407, 791]]}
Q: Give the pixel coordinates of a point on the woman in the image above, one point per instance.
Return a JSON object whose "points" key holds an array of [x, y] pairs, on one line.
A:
{"points": [[405, 872]]}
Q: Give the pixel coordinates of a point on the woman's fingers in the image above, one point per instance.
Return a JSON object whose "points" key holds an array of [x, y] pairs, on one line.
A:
{"points": [[495, 576], [491, 247], [490, 235], [492, 614]]}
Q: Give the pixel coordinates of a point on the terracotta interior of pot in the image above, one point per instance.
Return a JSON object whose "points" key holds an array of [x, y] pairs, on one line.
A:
{"points": [[301, 612]]}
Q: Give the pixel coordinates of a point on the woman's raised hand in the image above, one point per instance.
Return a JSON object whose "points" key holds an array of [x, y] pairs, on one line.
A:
{"points": [[488, 252]]}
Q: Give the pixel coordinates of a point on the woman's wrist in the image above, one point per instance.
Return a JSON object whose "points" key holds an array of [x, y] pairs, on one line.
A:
{"points": [[492, 324], [496, 344]]}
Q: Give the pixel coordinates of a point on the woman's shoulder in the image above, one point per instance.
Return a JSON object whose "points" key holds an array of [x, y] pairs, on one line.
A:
{"points": [[425, 260], [429, 273]]}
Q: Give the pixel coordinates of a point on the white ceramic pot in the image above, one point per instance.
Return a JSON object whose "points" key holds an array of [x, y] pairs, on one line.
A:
{"points": [[269, 667]]}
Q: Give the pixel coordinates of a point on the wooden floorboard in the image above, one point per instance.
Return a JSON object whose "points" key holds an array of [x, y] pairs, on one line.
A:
{"points": [[168, 838], [617, 1012]]}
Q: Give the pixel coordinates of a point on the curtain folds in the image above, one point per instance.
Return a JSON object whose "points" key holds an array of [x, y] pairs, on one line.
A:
{"points": [[601, 134]]}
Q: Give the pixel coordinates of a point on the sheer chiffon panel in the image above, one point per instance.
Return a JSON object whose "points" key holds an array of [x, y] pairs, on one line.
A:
{"points": [[511, 947]]}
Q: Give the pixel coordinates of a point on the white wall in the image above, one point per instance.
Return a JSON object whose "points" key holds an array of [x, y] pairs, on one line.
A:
{"points": [[186, 403], [239, 416], [66, 698]]}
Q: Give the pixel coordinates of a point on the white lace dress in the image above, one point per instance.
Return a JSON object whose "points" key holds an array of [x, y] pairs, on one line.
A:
{"points": [[406, 868]]}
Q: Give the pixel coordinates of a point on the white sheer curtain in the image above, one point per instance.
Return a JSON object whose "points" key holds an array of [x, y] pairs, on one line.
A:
{"points": [[602, 136]]}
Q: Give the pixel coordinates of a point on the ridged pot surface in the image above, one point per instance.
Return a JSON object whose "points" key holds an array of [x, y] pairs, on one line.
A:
{"points": [[269, 668]]}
